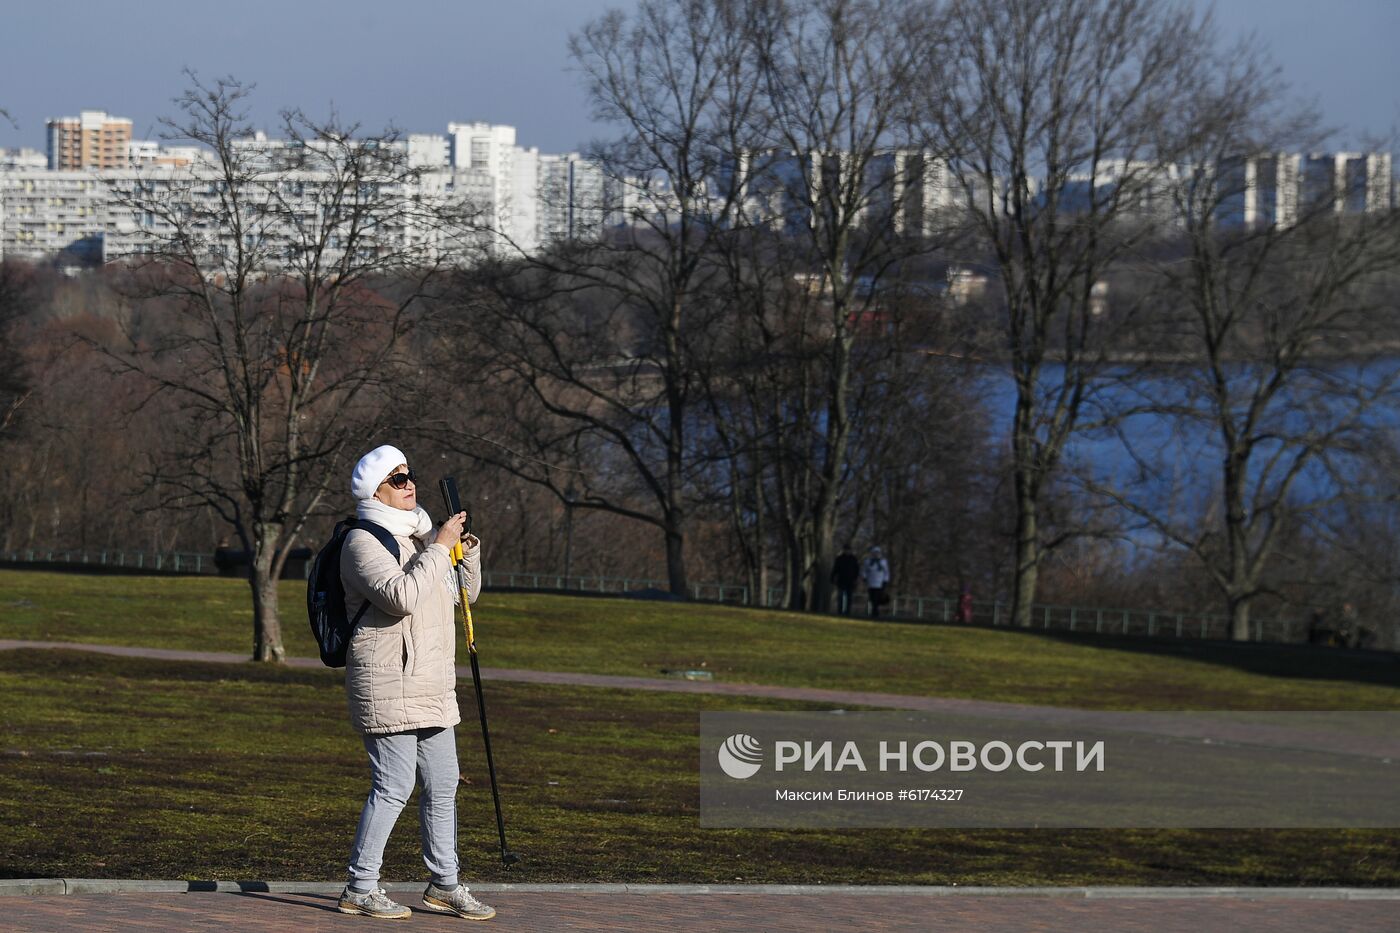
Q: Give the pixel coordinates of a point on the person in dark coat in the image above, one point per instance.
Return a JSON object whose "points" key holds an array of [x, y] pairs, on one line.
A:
{"points": [[845, 573]]}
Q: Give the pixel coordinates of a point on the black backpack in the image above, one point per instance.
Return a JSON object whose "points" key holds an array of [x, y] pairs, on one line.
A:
{"points": [[325, 593]]}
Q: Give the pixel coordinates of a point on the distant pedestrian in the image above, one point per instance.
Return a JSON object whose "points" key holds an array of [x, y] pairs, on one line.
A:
{"points": [[964, 615], [1355, 633], [845, 573], [876, 572], [1319, 631], [1346, 626]]}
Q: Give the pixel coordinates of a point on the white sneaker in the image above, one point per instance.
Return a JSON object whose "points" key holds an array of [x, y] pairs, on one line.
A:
{"points": [[374, 904], [457, 901]]}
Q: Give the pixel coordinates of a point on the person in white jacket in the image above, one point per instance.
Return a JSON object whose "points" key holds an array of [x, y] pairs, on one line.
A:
{"points": [[401, 681], [875, 571]]}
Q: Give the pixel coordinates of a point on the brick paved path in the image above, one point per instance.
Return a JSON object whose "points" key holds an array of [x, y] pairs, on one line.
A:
{"points": [[799, 913]]}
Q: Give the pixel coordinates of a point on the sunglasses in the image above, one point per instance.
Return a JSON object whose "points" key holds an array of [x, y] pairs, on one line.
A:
{"points": [[401, 480]]}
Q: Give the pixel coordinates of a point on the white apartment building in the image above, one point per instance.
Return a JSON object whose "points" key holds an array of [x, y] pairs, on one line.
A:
{"points": [[523, 227], [909, 192], [573, 199], [1132, 188], [429, 151], [47, 214], [149, 153], [12, 159], [487, 150], [1259, 191], [773, 188], [1347, 182], [1279, 189], [293, 218]]}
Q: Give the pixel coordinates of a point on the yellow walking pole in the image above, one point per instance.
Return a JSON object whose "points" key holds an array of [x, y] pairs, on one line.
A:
{"points": [[466, 607], [454, 505]]}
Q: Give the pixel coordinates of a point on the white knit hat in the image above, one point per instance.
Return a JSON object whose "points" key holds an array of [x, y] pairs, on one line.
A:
{"points": [[372, 469]]}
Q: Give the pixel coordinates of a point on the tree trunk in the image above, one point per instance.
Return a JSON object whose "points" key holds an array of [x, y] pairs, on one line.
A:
{"points": [[760, 543], [675, 555], [675, 448], [1027, 556], [267, 624], [796, 577], [1237, 536], [1239, 618], [823, 559]]}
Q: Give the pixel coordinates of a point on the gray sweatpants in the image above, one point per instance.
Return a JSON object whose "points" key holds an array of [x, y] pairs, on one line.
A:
{"points": [[431, 755]]}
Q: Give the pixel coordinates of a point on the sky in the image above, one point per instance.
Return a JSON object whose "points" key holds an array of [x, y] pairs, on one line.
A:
{"points": [[419, 64]]}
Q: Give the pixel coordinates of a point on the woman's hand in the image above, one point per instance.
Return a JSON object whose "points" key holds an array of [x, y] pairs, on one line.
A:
{"points": [[450, 534]]}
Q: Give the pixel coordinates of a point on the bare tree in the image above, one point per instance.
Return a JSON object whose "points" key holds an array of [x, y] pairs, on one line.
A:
{"points": [[616, 379], [1281, 312], [756, 375], [833, 170], [563, 395], [1351, 554], [255, 304], [1061, 115]]}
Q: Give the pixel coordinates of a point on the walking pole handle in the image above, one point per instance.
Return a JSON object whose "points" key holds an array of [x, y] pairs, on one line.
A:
{"points": [[448, 485]]}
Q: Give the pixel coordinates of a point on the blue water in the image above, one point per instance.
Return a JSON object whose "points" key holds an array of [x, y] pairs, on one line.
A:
{"points": [[1171, 462]]}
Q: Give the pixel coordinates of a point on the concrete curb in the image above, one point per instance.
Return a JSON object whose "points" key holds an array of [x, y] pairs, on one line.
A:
{"points": [[66, 886]]}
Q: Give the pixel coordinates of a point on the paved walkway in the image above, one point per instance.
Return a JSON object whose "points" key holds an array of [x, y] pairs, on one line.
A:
{"points": [[1320, 736], [311, 908]]}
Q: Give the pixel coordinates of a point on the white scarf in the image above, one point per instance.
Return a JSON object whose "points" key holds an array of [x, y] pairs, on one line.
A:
{"points": [[401, 522], [406, 523]]}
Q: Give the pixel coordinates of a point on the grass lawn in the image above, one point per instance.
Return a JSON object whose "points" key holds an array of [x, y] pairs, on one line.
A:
{"points": [[633, 637], [114, 767]]}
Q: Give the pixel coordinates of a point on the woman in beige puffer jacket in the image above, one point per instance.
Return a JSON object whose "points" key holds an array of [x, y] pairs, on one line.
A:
{"points": [[401, 681], [401, 667]]}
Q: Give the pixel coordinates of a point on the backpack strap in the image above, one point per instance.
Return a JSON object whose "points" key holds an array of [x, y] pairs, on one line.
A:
{"points": [[384, 537], [381, 534]]}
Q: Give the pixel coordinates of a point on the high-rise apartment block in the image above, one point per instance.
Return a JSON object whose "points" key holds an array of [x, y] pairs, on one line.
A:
{"points": [[909, 192], [1258, 192], [1281, 189], [1347, 182], [56, 215], [574, 200], [92, 140], [488, 151]]}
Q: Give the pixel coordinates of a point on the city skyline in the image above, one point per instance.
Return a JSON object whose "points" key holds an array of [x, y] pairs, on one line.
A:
{"points": [[421, 66]]}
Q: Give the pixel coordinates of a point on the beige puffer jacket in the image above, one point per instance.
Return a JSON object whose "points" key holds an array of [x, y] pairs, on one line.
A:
{"points": [[401, 668]]}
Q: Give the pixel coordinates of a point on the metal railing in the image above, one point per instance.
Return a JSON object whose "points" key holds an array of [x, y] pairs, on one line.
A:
{"points": [[1153, 623], [159, 562]]}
